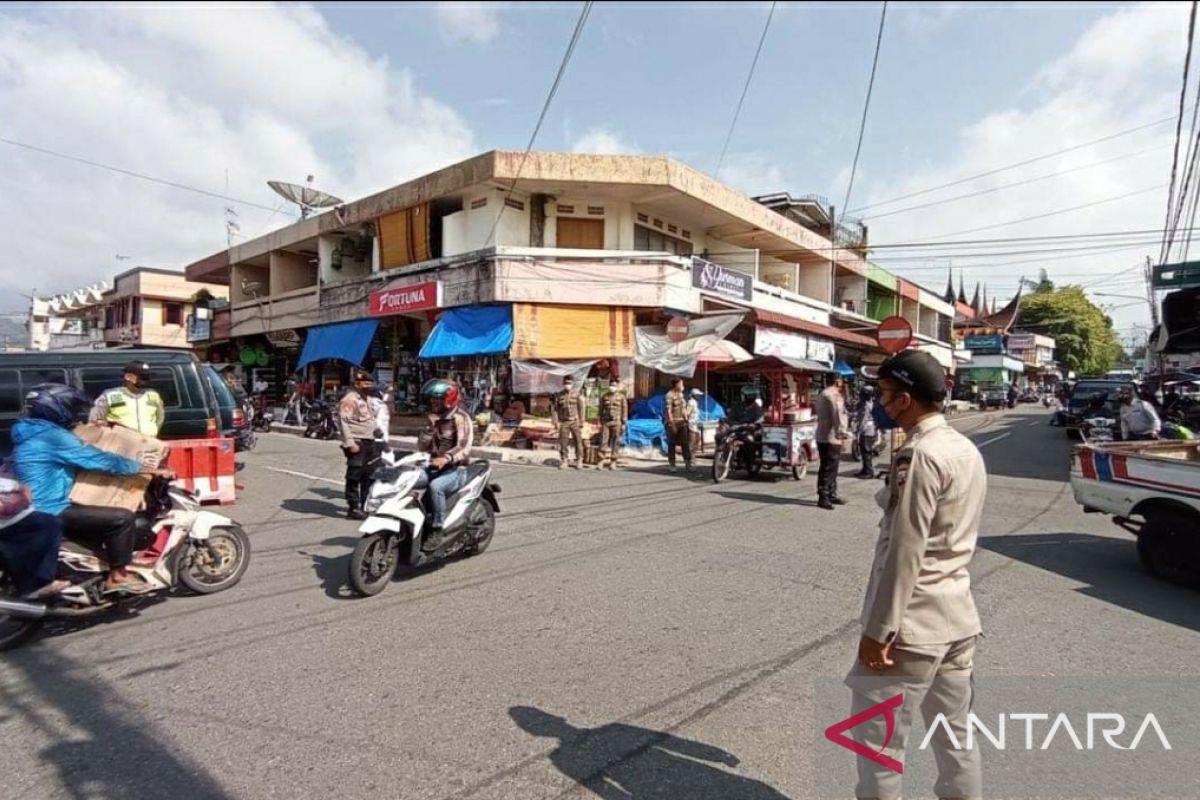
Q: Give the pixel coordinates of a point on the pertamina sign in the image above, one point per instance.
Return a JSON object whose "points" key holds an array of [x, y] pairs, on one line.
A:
{"points": [[404, 299]]}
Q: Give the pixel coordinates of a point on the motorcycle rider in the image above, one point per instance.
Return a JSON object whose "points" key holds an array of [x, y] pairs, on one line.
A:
{"points": [[46, 456], [448, 441], [29, 541], [131, 405], [357, 425], [867, 432]]}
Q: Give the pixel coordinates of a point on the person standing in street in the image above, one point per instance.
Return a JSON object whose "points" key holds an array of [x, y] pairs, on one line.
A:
{"points": [[357, 425], [132, 405], [676, 424], [614, 411], [567, 412], [832, 433], [1139, 418], [919, 621], [867, 431]]}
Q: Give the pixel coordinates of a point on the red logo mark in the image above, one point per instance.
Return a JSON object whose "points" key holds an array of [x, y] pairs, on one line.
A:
{"points": [[836, 733]]}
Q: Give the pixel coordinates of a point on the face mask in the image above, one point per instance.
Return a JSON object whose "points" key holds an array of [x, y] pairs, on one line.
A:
{"points": [[883, 420], [614, 388]]}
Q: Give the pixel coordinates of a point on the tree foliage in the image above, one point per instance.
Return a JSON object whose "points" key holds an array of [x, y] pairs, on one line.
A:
{"points": [[1084, 337]]}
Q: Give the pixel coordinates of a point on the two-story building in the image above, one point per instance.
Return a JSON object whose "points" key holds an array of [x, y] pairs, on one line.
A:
{"points": [[150, 307], [68, 320], [574, 250]]}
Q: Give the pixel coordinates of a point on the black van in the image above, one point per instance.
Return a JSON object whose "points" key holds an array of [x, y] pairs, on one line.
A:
{"points": [[177, 375]]}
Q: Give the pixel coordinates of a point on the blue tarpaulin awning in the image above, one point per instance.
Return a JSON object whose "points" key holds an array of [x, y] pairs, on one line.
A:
{"points": [[347, 341], [470, 331], [842, 368]]}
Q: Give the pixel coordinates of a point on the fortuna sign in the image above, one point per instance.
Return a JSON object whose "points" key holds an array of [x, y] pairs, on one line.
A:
{"points": [[403, 299]]}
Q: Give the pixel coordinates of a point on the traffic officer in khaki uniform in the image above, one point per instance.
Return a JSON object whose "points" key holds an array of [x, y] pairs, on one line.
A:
{"points": [[357, 425], [133, 405], [676, 424], [614, 412], [919, 618], [567, 412]]}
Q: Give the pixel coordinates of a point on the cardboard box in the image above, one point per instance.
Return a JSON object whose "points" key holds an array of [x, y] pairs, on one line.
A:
{"points": [[116, 491]]}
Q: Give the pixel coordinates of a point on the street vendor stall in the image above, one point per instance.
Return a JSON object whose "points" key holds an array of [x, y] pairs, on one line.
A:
{"points": [[784, 437]]}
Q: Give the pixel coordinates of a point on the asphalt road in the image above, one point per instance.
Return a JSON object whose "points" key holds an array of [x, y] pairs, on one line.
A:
{"points": [[632, 634]]}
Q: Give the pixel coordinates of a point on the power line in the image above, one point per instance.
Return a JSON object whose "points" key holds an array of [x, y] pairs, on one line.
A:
{"points": [[562, 68], [1059, 211], [1187, 62], [1015, 165], [862, 126], [745, 88], [1026, 182], [139, 175]]}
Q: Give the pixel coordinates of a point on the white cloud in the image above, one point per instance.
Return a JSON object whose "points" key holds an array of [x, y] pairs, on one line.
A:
{"points": [[476, 23], [186, 94], [1122, 72], [752, 174], [603, 141]]}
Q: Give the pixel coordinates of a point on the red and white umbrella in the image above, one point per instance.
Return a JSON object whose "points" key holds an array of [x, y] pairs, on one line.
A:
{"points": [[723, 351]]}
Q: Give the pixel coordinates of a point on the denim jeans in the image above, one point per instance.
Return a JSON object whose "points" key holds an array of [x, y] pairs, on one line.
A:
{"points": [[442, 485]]}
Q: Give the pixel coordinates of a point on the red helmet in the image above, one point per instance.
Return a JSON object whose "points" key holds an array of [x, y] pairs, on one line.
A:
{"points": [[440, 392]]}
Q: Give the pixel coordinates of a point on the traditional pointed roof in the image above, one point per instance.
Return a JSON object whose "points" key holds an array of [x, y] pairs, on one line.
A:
{"points": [[962, 295], [995, 321], [949, 295], [983, 304], [975, 299]]}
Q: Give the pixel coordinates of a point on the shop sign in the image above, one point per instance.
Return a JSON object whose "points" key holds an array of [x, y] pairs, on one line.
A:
{"points": [[781, 344], [820, 350], [993, 343], [710, 277], [284, 339], [404, 299], [1021, 341], [199, 330]]}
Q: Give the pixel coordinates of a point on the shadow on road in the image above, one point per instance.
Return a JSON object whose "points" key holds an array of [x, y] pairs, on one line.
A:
{"points": [[315, 508], [625, 762], [1110, 568], [333, 572], [767, 499], [113, 752]]}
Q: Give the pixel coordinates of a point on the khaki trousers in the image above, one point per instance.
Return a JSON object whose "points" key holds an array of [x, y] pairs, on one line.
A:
{"points": [[933, 685], [566, 432], [610, 442]]}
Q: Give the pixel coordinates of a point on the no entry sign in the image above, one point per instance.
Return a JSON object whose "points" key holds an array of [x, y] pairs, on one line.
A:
{"points": [[677, 329], [894, 334]]}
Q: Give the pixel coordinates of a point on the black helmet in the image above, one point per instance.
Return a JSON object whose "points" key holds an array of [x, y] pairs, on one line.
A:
{"points": [[442, 394], [139, 368], [55, 402]]}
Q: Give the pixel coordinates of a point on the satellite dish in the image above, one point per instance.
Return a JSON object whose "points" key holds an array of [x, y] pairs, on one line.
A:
{"points": [[306, 197]]}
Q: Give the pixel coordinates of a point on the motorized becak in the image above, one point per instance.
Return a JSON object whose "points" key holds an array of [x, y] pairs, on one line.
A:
{"points": [[396, 535], [202, 551], [319, 422]]}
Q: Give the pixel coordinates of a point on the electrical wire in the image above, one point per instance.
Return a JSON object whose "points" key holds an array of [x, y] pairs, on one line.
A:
{"points": [[1187, 62], [138, 175], [737, 111], [584, 13], [862, 126], [1026, 162], [1058, 212]]}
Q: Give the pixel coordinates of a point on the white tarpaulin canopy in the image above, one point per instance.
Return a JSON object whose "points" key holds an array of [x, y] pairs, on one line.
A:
{"points": [[653, 349]]}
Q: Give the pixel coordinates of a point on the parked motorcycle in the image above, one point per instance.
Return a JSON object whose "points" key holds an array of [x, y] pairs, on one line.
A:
{"points": [[260, 414], [737, 447], [319, 422], [395, 535], [204, 552]]}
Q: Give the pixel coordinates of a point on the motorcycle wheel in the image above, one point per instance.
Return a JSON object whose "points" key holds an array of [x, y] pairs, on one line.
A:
{"points": [[14, 631], [800, 469], [722, 463], [373, 563], [481, 526], [216, 564], [753, 468]]}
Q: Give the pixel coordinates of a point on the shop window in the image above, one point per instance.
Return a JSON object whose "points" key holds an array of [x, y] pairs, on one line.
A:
{"points": [[654, 241], [172, 313]]}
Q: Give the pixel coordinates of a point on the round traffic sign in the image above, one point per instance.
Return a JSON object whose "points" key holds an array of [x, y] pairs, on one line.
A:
{"points": [[677, 329], [894, 334]]}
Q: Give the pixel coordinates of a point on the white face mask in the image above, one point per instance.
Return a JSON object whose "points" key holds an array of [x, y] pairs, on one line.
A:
{"points": [[614, 388]]}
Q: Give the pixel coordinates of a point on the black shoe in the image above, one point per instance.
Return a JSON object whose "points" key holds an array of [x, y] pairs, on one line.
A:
{"points": [[837, 501], [435, 538], [356, 513], [825, 504]]}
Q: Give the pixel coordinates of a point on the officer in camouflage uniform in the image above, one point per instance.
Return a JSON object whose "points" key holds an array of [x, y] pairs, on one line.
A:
{"points": [[567, 412], [613, 413]]}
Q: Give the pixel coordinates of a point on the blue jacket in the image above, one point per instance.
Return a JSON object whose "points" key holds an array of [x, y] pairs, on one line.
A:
{"points": [[46, 457]]}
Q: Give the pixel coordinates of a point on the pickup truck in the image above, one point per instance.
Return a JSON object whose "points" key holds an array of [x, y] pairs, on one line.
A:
{"points": [[1151, 489]]}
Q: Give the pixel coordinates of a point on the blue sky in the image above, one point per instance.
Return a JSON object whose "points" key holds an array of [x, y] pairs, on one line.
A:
{"points": [[367, 95]]}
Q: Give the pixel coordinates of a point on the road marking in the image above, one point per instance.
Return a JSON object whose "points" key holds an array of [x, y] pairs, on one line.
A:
{"points": [[994, 439], [303, 475], [1035, 423]]}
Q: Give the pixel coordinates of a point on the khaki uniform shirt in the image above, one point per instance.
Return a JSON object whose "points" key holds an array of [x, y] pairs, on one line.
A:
{"points": [[919, 594], [674, 408], [356, 418], [832, 424], [568, 406], [613, 408]]}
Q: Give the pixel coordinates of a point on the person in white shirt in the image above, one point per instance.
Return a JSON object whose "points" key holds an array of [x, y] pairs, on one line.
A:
{"points": [[1139, 418]]}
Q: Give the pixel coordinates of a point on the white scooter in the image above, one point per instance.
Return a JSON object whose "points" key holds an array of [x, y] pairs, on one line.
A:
{"points": [[396, 534], [204, 551]]}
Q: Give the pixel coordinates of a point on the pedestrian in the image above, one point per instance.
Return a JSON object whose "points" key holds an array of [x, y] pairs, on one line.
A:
{"points": [[676, 426], [691, 413], [1139, 419], [132, 405], [867, 431], [832, 433], [357, 425], [295, 403], [614, 411], [567, 412], [919, 621]]}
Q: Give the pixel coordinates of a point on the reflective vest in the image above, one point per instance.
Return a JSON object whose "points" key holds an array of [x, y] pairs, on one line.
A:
{"points": [[136, 412]]}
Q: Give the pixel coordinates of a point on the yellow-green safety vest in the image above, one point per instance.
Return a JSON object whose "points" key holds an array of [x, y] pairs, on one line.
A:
{"points": [[137, 412]]}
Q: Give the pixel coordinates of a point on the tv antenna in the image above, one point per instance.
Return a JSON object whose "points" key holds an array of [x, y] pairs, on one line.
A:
{"points": [[305, 196]]}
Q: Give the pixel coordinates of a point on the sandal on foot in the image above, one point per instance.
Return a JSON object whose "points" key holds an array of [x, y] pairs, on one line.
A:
{"points": [[49, 590]]}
